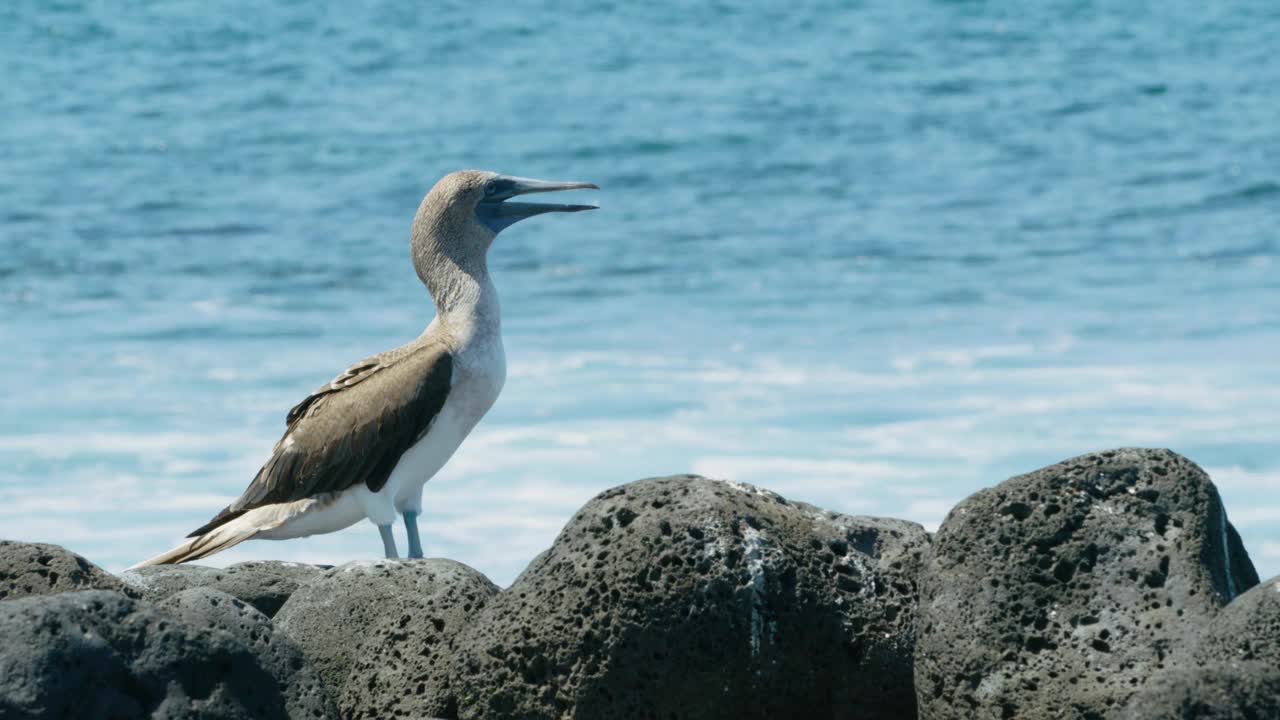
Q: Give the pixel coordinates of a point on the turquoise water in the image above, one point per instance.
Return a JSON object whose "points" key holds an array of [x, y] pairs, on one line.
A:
{"points": [[874, 256]]}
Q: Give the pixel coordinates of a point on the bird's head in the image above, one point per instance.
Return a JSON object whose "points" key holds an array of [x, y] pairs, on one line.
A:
{"points": [[465, 210]]}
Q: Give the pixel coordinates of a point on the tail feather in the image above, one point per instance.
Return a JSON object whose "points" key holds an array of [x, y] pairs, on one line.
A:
{"points": [[216, 540], [265, 521]]}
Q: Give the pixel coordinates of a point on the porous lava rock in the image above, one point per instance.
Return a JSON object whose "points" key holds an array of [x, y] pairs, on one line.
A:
{"points": [[695, 598], [371, 627], [28, 569], [203, 607], [1236, 669], [1247, 629], [100, 654], [1244, 690], [264, 584], [1060, 592]]}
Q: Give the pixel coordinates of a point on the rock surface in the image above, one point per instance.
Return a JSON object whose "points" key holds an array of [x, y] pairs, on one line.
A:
{"points": [[689, 597], [1236, 669], [370, 628], [99, 654], [1241, 691], [28, 569], [202, 607], [1058, 593], [1107, 586], [264, 584], [1247, 629]]}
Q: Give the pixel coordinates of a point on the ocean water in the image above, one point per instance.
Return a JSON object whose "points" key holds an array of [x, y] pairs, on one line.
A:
{"points": [[870, 255]]}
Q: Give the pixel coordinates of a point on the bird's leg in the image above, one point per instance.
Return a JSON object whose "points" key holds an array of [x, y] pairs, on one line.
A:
{"points": [[388, 541], [411, 527]]}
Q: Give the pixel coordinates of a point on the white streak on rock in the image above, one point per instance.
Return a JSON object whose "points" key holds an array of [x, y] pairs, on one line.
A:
{"points": [[753, 549], [719, 546], [1232, 591]]}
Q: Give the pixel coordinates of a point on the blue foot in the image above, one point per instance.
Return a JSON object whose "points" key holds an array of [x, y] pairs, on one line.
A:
{"points": [[388, 541], [411, 526]]}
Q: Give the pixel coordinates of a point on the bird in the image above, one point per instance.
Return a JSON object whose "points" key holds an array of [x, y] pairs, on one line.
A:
{"points": [[364, 444]]}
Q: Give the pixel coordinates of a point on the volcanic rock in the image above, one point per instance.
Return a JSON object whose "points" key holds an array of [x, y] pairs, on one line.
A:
{"points": [[99, 654], [203, 607], [689, 597], [1060, 592], [1247, 629], [1236, 674], [264, 584], [28, 569], [1244, 690], [370, 628]]}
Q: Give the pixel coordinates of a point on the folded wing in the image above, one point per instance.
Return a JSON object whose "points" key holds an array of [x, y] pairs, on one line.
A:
{"points": [[352, 430]]}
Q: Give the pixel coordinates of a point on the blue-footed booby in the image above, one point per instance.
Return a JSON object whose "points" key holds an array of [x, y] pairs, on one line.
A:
{"points": [[365, 444]]}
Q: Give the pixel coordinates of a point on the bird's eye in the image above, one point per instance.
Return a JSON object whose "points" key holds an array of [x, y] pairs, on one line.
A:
{"points": [[490, 187]]}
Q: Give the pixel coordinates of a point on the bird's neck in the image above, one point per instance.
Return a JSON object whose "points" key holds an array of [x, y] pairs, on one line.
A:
{"points": [[450, 257], [466, 300]]}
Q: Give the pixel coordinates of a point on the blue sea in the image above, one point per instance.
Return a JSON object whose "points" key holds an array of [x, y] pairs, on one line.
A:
{"points": [[870, 255]]}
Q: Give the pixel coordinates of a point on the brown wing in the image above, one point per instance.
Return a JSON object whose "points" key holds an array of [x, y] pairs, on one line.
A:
{"points": [[349, 377], [352, 430]]}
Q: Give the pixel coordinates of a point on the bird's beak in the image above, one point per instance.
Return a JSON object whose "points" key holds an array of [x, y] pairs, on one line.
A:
{"points": [[497, 212]]}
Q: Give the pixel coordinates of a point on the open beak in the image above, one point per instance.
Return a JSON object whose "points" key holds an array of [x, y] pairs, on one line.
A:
{"points": [[496, 210]]}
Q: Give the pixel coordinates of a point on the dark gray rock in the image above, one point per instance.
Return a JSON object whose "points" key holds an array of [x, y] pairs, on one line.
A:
{"points": [[1243, 690], [98, 654], [28, 569], [1058, 593], [694, 598], [1236, 668], [369, 627], [203, 607], [264, 584], [157, 582], [400, 649], [1247, 629]]}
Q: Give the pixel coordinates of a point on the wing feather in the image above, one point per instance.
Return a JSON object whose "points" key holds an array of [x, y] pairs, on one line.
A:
{"points": [[352, 430]]}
